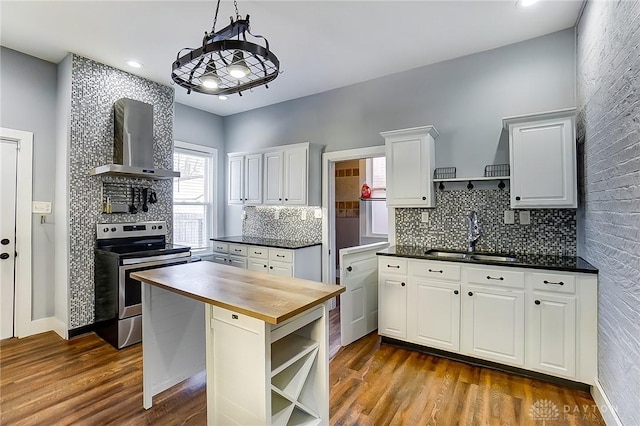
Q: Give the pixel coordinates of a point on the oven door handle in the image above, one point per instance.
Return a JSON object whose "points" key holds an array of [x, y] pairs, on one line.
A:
{"points": [[154, 259]]}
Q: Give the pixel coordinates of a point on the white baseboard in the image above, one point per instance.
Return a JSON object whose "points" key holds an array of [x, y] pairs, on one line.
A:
{"points": [[604, 405], [48, 324]]}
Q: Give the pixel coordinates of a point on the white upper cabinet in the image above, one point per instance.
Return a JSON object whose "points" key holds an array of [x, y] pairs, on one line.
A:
{"points": [[543, 159], [282, 175], [273, 177], [236, 179], [295, 176], [410, 164]]}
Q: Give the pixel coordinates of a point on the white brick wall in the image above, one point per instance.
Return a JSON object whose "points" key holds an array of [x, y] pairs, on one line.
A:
{"points": [[608, 89]]}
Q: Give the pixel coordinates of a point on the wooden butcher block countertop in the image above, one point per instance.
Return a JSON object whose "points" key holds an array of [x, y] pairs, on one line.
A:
{"points": [[270, 298]]}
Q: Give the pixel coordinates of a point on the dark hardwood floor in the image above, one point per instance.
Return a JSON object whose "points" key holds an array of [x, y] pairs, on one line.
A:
{"points": [[45, 380]]}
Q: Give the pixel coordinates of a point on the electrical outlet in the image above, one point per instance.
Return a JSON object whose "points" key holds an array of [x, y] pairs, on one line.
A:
{"points": [[41, 207], [509, 217], [425, 217], [276, 214], [243, 215], [525, 217], [317, 213], [303, 215]]}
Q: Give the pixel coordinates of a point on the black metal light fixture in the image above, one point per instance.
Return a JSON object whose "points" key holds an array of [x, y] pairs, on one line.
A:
{"points": [[227, 62]]}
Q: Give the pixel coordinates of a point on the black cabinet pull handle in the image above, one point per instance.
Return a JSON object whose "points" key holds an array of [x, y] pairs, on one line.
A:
{"points": [[279, 255], [549, 282], [237, 250], [517, 198], [537, 302], [402, 284], [234, 316], [4, 256], [393, 266], [436, 271], [489, 277], [257, 252], [349, 268], [455, 292], [424, 198], [470, 293]]}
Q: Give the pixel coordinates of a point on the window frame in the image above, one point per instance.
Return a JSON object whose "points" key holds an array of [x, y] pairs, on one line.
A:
{"points": [[367, 223], [211, 219]]}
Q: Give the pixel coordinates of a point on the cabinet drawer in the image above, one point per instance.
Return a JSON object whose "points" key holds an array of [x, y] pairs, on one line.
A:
{"points": [[220, 247], [220, 258], [392, 265], [258, 252], [281, 268], [281, 255], [436, 270], [237, 320], [553, 282], [237, 250], [496, 277], [238, 261]]}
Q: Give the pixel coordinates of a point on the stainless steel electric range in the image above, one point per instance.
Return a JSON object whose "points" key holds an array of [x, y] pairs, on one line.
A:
{"points": [[121, 249]]}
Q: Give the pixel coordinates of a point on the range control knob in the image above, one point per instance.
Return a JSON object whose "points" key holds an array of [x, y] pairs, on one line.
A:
{"points": [[113, 229], [153, 227], [159, 226], [105, 230]]}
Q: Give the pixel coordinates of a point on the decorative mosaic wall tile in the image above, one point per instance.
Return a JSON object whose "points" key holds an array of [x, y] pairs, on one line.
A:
{"points": [[261, 222], [95, 87], [552, 231]]}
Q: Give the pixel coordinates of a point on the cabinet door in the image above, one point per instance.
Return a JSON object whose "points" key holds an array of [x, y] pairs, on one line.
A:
{"points": [[253, 179], [408, 172], [433, 314], [236, 179], [543, 164], [273, 177], [493, 324], [281, 268], [222, 259], [295, 176], [551, 335], [392, 307], [238, 262]]}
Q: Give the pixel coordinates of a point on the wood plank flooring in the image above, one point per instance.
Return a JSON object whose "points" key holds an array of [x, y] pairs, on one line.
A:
{"points": [[45, 380]]}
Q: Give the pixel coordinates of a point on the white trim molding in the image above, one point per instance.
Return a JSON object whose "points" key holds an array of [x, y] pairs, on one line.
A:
{"points": [[607, 410], [24, 198]]}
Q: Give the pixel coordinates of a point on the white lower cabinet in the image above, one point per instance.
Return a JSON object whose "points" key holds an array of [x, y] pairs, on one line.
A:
{"points": [[493, 324], [539, 320]]}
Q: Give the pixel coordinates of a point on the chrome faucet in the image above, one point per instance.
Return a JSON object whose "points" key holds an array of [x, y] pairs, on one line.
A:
{"points": [[474, 232]]}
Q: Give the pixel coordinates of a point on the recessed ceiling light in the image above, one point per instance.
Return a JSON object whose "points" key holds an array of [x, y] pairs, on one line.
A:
{"points": [[134, 64], [525, 3], [223, 97]]}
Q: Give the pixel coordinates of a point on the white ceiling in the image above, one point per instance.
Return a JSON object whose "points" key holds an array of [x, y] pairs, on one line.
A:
{"points": [[322, 45]]}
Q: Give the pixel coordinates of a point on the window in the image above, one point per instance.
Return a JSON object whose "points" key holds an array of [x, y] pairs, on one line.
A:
{"points": [[193, 207], [376, 212]]}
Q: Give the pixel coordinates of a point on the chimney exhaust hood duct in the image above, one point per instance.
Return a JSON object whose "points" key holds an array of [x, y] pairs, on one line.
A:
{"points": [[133, 143]]}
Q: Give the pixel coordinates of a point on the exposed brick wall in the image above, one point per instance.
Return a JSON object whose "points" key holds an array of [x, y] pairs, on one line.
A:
{"points": [[608, 90]]}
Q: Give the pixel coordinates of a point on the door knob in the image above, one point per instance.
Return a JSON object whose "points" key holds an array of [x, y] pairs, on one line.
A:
{"points": [[4, 241], [349, 268], [4, 256]]}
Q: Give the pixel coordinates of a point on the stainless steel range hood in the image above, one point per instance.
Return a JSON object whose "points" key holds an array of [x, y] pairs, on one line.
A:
{"points": [[133, 143]]}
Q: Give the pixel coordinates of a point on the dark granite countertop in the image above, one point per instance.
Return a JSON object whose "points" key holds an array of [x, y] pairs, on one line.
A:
{"points": [[535, 261], [267, 242]]}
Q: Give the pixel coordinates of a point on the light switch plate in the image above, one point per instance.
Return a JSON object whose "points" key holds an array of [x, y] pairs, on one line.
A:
{"points": [[41, 207], [525, 217], [303, 215], [317, 213], [425, 217], [243, 216], [509, 217]]}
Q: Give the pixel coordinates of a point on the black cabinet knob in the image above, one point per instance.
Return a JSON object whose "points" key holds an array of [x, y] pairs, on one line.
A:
{"points": [[537, 302], [470, 293], [402, 284], [349, 268], [279, 199], [286, 199], [4, 256], [266, 266], [270, 267], [455, 292], [424, 198], [517, 198], [4, 241]]}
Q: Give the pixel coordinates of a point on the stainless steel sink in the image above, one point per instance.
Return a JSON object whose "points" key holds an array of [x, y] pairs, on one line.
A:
{"points": [[493, 257], [447, 254]]}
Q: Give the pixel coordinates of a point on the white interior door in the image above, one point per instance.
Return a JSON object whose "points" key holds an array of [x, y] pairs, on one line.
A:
{"points": [[8, 157], [359, 303]]}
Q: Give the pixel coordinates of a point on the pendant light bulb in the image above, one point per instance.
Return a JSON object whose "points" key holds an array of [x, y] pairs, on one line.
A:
{"points": [[209, 78], [238, 67]]}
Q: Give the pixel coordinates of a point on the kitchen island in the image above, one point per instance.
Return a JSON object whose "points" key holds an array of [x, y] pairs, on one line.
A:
{"points": [[263, 339]]}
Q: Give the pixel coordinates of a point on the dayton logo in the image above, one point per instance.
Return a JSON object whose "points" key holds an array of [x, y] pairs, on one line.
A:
{"points": [[544, 410]]}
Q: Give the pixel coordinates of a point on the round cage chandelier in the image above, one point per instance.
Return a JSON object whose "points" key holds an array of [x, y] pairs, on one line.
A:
{"points": [[227, 62]]}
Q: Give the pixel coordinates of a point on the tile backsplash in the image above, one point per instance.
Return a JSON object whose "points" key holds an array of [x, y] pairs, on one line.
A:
{"points": [[261, 222], [551, 232]]}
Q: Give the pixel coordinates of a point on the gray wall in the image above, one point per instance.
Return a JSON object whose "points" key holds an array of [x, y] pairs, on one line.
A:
{"points": [[28, 102], [465, 98], [203, 128], [608, 79]]}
